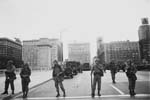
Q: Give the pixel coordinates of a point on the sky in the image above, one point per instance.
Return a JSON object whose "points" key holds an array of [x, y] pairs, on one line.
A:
{"points": [[75, 20]]}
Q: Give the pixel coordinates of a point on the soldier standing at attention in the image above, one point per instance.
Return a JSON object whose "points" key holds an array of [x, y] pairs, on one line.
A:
{"points": [[10, 77], [113, 70], [58, 78], [25, 79], [131, 74], [97, 69]]}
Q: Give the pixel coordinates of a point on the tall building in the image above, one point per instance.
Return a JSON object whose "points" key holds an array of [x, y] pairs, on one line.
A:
{"points": [[79, 52], [121, 51], [41, 53], [57, 49], [144, 40], [100, 50], [10, 50]]}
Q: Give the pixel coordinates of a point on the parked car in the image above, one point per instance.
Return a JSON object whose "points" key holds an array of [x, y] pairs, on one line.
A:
{"points": [[86, 67]]}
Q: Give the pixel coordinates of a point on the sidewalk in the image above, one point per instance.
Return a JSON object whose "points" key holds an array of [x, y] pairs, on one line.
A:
{"points": [[37, 77]]}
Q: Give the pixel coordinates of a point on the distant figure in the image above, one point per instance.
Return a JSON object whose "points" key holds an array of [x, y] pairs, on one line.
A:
{"points": [[10, 77], [131, 74], [113, 70], [97, 69], [58, 78], [25, 79]]}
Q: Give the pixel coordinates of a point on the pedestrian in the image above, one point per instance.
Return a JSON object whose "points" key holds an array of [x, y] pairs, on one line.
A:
{"points": [[113, 71], [25, 79], [131, 74], [10, 77], [58, 77], [97, 69]]}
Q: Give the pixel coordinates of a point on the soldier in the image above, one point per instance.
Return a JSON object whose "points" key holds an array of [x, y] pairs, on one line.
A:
{"points": [[97, 69], [10, 77], [58, 78], [131, 74], [25, 79], [113, 70]]}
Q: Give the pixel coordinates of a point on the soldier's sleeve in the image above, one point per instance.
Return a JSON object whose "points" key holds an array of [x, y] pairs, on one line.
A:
{"points": [[29, 71], [21, 72], [135, 69], [13, 68], [92, 69]]}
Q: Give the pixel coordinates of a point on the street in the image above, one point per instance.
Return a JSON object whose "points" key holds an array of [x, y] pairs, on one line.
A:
{"points": [[80, 88]]}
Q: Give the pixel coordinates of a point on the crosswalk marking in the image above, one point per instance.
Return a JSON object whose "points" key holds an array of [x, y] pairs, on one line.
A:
{"points": [[84, 97], [117, 89]]}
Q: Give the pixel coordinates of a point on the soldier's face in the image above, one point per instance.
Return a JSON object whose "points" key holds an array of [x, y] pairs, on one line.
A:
{"points": [[55, 63]]}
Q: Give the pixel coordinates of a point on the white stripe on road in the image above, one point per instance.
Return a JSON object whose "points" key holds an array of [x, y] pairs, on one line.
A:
{"points": [[117, 89], [84, 97]]}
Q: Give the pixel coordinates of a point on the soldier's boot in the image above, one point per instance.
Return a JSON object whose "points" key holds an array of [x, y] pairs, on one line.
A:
{"points": [[114, 81], [57, 94], [99, 93], [133, 93], [12, 92], [64, 94], [5, 92], [23, 94], [93, 95], [130, 92]]}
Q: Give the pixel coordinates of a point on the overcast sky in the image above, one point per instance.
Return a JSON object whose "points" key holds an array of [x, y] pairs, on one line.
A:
{"points": [[80, 20]]}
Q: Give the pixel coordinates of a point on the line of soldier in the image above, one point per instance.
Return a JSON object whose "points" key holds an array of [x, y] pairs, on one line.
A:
{"points": [[58, 76], [98, 71]]}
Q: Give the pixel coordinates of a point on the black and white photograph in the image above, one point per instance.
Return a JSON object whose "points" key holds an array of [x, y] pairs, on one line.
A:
{"points": [[74, 49]]}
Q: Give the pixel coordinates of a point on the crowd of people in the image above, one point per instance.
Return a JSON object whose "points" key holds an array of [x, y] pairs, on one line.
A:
{"points": [[97, 71]]}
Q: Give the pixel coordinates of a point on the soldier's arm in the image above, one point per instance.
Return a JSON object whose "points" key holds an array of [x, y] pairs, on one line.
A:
{"points": [[12, 69], [135, 70], [92, 69]]}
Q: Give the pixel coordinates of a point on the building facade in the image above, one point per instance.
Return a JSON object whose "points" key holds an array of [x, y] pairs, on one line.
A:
{"points": [[10, 50], [144, 40], [79, 52], [121, 51], [41, 53]]}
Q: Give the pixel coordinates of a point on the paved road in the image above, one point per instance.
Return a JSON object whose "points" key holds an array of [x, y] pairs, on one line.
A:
{"points": [[79, 88]]}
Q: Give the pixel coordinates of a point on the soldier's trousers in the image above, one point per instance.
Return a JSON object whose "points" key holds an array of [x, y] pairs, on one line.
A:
{"points": [[25, 84], [131, 83], [96, 80], [7, 82], [57, 84], [113, 76]]}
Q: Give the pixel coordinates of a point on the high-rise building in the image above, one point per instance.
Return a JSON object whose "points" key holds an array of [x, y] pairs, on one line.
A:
{"points": [[79, 52], [100, 50], [41, 53], [121, 51], [144, 40], [10, 50]]}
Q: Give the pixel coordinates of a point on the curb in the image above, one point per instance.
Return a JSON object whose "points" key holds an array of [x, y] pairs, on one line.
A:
{"points": [[35, 86]]}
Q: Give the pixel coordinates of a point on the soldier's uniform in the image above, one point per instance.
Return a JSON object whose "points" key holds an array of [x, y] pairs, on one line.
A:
{"points": [[25, 79], [97, 69], [58, 78], [113, 70], [131, 70], [10, 77]]}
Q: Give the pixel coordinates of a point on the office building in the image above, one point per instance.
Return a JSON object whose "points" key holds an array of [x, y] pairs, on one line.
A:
{"points": [[79, 52], [144, 40], [121, 51]]}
